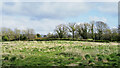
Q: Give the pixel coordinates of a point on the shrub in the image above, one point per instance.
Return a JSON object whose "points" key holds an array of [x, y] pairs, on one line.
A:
{"points": [[5, 38], [23, 37]]}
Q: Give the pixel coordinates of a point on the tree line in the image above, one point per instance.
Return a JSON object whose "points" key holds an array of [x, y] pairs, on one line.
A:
{"points": [[95, 30], [16, 34]]}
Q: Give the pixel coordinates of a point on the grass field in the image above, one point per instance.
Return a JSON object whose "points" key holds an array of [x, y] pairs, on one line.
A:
{"points": [[59, 53]]}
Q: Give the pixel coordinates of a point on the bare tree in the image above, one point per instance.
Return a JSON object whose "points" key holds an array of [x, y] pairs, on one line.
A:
{"points": [[79, 29], [83, 29], [30, 34], [101, 26], [17, 33], [61, 30], [71, 28]]}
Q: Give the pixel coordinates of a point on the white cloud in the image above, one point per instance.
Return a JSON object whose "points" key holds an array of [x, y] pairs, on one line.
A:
{"points": [[43, 17], [42, 26]]}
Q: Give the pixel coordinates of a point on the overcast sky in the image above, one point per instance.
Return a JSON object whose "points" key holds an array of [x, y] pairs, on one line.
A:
{"points": [[44, 16]]}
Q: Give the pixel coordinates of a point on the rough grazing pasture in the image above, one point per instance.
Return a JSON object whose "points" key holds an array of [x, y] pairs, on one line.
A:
{"points": [[59, 53]]}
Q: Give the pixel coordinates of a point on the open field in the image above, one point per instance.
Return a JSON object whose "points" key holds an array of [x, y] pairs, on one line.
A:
{"points": [[59, 53]]}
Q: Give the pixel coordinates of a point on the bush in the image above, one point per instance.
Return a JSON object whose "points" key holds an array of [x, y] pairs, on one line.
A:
{"points": [[23, 37], [5, 38]]}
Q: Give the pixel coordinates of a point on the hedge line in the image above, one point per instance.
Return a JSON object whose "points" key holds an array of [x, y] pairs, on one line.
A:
{"points": [[70, 39]]}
